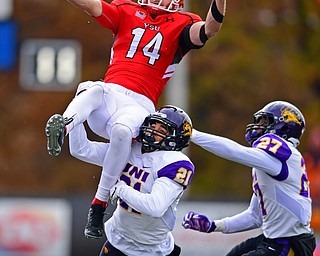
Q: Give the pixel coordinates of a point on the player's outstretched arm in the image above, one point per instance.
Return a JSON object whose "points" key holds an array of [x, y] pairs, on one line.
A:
{"points": [[155, 203], [91, 7], [233, 151], [249, 219], [215, 17], [200, 32], [85, 150]]}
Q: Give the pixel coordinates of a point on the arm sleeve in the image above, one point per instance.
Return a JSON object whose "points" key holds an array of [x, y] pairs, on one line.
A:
{"points": [[83, 149], [155, 203], [249, 219], [235, 152]]}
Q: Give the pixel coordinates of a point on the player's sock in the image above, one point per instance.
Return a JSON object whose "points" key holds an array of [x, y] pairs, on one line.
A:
{"points": [[97, 201]]}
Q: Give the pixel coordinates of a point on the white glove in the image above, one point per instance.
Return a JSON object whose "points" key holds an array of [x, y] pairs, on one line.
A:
{"points": [[115, 191]]}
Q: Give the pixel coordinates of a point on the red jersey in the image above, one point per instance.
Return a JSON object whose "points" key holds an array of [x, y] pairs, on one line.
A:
{"points": [[145, 51]]}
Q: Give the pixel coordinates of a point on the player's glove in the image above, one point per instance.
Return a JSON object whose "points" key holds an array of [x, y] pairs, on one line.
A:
{"points": [[198, 222], [115, 191]]}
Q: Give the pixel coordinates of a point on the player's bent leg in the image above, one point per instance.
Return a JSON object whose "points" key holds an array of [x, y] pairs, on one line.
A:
{"points": [[109, 250], [55, 132], [304, 244], [115, 159], [77, 112], [114, 162], [83, 105], [250, 244], [262, 246]]}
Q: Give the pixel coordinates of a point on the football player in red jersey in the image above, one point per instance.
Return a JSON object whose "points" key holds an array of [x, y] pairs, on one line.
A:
{"points": [[150, 39]]}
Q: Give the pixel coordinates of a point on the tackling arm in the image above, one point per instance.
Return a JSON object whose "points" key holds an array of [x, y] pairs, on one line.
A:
{"points": [[233, 151], [249, 219], [92, 152], [202, 31], [91, 7], [155, 203]]}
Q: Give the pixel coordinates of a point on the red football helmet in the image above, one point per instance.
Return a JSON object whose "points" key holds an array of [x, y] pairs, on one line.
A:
{"points": [[173, 6]]}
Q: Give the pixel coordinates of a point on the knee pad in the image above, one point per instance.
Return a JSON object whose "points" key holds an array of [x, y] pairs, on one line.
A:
{"points": [[121, 134]]}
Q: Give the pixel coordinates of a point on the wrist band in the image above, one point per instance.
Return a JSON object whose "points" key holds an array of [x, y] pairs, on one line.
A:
{"points": [[202, 34], [215, 12]]}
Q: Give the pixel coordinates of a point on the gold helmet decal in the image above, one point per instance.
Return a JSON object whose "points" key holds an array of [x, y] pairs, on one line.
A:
{"points": [[290, 115], [187, 130], [105, 250]]}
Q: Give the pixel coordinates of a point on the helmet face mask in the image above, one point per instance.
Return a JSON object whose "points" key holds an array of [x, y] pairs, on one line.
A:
{"points": [[173, 6], [175, 134], [262, 123], [278, 117]]}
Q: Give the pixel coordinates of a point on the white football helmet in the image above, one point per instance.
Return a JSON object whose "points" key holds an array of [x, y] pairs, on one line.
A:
{"points": [[175, 5]]}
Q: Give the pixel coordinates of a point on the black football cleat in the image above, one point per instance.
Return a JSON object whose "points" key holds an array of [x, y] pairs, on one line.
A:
{"points": [[95, 227]]}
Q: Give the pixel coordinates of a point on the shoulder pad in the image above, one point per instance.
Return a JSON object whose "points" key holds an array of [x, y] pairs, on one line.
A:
{"points": [[274, 146], [180, 171]]}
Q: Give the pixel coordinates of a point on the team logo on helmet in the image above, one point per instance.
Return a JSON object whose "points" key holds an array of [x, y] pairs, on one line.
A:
{"points": [[290, 115], [187, 129], [162, 115]]}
